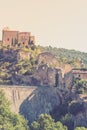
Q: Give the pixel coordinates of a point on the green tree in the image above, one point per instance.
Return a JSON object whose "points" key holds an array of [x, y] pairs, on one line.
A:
{"points": [[68, 121], [45, 122], [75, 107], [80, 86], [80, 128], [9, 120]]}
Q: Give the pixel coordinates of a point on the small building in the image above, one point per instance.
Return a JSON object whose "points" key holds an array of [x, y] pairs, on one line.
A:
{"points": [[80, 73]]}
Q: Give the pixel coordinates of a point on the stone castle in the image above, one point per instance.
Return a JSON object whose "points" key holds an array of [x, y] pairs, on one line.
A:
{"points": [[12, 38]]}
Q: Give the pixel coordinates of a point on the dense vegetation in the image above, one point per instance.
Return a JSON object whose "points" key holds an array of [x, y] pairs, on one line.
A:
{"points": [[64, 56], [66, 112], [45, 122], [9, 120], [11, 64], [62, 116]]}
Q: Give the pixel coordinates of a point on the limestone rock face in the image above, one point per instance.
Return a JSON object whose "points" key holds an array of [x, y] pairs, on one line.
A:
{"points": [[32, 101], [81, 118], [48, 58]]}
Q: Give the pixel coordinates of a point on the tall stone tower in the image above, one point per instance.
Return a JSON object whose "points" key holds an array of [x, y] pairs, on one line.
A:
{"points": [[9, 37]]}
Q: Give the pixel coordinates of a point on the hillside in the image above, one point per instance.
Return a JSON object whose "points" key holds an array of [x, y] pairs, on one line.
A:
{"points": [[66, 56], [19, 61], [33, 82], [19, 65]]}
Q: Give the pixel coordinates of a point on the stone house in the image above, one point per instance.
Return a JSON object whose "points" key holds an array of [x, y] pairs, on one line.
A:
{"points": [[71, 75], [80, 73]]}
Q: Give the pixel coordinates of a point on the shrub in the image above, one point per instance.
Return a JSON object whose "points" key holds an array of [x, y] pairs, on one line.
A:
{"points": [[68, 121], [75, 107]]}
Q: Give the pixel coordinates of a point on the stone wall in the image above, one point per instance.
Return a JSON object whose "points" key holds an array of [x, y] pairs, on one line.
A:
{"points": [[68, 80]]}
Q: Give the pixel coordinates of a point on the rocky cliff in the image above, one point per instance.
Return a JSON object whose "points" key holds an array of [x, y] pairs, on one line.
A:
{"points": [[32, 101], [80, 119]]}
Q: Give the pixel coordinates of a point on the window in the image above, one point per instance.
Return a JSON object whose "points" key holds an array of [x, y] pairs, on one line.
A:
{"points": [[7, 39]]}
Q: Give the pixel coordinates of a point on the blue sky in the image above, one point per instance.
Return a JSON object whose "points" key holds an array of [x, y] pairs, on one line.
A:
{"points": [[59, 23]]}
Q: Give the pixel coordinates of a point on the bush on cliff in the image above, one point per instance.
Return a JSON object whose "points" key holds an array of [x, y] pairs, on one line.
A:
{"points": [[68, 121], [75, 107], [80, 86]]}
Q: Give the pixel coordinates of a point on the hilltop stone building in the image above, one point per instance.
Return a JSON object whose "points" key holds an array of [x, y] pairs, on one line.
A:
{"points": [[12, 38]]}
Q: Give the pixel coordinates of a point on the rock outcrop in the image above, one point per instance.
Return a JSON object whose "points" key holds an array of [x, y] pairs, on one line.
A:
{"points": [[80, 119], [48, 58], [32, 101]]}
